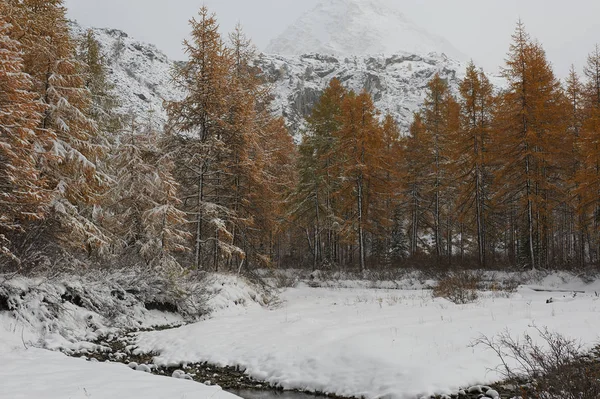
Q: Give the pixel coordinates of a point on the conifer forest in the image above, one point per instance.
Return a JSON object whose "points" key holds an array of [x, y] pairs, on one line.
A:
{"points": [[357, 210], [485, 177]]}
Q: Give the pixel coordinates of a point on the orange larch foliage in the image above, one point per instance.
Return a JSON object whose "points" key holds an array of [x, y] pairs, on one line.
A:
{"points": [[530, 141], [58, 78], [23, 196], [471, 164]]}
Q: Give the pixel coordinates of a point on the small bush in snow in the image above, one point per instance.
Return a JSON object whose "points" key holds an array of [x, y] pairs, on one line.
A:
{"points": [[460, 288], [555, 367]]}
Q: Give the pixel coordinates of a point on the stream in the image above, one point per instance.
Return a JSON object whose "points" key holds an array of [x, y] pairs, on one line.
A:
{"points": [[121, 349], [271, 394]]}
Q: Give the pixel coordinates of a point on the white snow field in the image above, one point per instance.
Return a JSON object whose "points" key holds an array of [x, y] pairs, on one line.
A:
{"points": [[375, 343], [42, 374], [358, 27]]}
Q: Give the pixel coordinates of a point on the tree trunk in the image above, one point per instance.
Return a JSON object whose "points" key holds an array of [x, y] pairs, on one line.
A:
{"points": [[198, 248]]}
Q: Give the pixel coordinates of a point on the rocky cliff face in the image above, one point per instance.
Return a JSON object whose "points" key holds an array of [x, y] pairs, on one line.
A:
{"points": [[142, 77], [397, 82], [140, 73]]}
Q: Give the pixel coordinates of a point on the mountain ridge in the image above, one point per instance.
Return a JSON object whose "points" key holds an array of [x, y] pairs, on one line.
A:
{"points": [[358, 27], [141, 74]]}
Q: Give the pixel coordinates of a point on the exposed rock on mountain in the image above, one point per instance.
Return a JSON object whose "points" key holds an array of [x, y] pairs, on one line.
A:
{"points": [[140, 72], [397, 83], [142, 77]]}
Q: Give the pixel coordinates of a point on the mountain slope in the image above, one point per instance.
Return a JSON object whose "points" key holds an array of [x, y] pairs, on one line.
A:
{"points": [[397, 83], [358, 27], [140, 73]]}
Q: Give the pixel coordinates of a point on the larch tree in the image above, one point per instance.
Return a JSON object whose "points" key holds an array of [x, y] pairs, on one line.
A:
{"points": [[589, 174], [279, 154], [23, 194], [255, 140], [359, 158], [440, 120], [313, 202], [390, 241], [530, 120], [70, 169], [576, 214], [197, 125], [472, 168], [416, 168]]}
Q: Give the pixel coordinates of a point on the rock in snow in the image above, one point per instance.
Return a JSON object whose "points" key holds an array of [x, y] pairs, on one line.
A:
{"points": [[492, 394], [182, 375], [144, 367]]}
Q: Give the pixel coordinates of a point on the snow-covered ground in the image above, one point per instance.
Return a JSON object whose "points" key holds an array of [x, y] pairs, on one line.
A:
{"points": [[376, 343], [353, 341], [41, 374], [45, 314]]}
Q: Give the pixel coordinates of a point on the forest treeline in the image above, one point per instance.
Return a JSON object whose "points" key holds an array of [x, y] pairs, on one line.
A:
{"points": [[485, 177]]}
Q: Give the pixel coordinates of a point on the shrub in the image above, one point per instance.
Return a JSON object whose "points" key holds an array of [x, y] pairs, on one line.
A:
{"points": [[460, 288], [555, 368]]}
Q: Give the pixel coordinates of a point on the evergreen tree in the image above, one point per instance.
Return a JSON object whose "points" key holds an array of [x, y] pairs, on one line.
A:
{"points": [[143, 204], [104, 101]]}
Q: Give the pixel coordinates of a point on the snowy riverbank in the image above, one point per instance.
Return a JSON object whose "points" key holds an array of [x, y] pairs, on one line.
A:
{"points": [[69, 313], [352, 341], [376, 343]]}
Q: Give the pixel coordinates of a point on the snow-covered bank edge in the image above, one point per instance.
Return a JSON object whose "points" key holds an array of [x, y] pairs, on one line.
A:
{"points": [[374, 343], [67, 311]]}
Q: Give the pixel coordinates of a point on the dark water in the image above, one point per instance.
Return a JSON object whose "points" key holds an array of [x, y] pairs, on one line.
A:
{"points": [[271, 394]]}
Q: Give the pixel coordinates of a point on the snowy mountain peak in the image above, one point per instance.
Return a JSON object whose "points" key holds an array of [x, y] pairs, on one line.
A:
{"points": [[358, 27]]}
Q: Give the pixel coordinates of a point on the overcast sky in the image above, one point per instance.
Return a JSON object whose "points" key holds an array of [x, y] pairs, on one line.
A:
{"points": [[481, 29]]}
